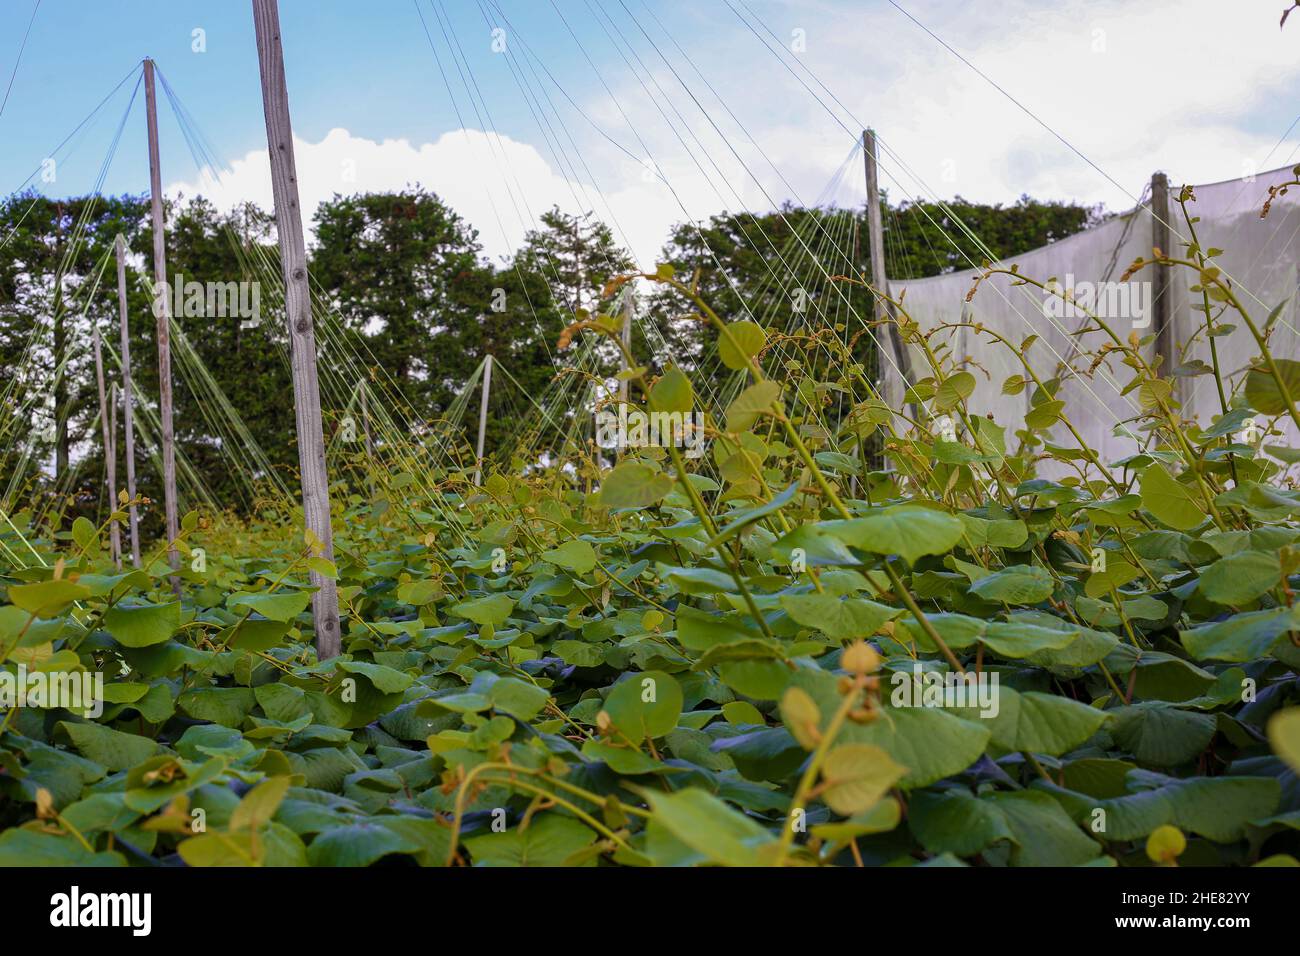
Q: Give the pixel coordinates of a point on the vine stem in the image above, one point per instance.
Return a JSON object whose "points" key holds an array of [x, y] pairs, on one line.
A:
{"points": [[809, 776]]}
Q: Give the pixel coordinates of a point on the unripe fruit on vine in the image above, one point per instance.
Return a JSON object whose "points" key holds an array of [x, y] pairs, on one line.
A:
{"points": [[860, 658], [1165, 844]]}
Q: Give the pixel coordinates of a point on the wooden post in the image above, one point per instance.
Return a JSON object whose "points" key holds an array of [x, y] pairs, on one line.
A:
{"points": [[61, 450], [894, 390], [114, 393], [370, 445], [297, 306], [110, 466], [162, 312], [629, 311], [365, 423], [482, 417], [128, 417], [1162, 321]]}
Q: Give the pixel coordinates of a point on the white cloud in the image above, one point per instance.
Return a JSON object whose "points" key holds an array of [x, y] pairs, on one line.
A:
{"points": [[500, 186], [1136, 86]]}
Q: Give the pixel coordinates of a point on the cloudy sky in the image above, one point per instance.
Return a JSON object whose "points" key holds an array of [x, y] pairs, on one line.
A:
{"points": [[650, 112]]}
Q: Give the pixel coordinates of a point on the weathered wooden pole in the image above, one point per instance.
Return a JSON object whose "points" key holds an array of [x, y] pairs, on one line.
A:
{"points": [[370, 444], [128, 417], [897, 380], [1161, 305], [297, 306], [110, 466], [482, 418], [629, 313], [61, 449], [162, 313], [365, 423], [114, 393]]}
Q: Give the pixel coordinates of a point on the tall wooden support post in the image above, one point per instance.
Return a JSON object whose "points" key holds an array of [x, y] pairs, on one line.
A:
{"points": [[128, 417], [629, 313], [896, 375], [365, 423], [110, 466], [482, 418], [114, 393], [162, 311], [1162, 319], [297, 305], [61, 449], [370, 444]]}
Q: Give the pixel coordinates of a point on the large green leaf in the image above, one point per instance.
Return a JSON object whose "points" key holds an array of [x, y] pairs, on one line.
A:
{"points": [[1039, 723], [548, 840], [709, 827], [645, 705], [1169, 500], [840, 619], [906, 530], [634, 485], [1241, 637]]}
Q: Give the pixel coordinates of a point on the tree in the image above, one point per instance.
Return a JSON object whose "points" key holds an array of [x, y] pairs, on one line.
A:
{"points": [[406, 274], [576, 255], [777, 268], [55, 284], [244, 356]]}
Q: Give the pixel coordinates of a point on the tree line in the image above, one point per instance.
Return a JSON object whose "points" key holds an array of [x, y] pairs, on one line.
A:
{"points": [[416, 296]]}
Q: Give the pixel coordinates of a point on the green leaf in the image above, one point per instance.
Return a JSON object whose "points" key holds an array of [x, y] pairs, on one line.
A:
{"points": [[673, 392], [489, 611], [741, 341], [1041, 832], [576, 555], [1160, 735], [905, 530], [751, 403], [548, 840], [23, 848], [931, 743], [856, 776], [47, 598], [634, 485], [1241, 637], [518, 698], [1017, 584], [274, 607], [387, 680], [839, 619], [1262, 392], [1170, 501], [957, 822], [259, 804], [1284, 736], [645, 705], [143, 625], [709, 827], [365, 843], [110, 748], [1038, 723], [85, 534], [1241, 577], [954, 389]]}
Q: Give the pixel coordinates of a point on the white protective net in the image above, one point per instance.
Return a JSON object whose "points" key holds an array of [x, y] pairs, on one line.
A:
{"points": [[1261, 256]]}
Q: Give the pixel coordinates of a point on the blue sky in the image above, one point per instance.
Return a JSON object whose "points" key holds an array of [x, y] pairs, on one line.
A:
{"points": [[694, 115]]}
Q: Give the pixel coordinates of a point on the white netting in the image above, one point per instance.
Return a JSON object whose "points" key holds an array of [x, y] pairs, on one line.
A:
{"points": [[1260, 255]]}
